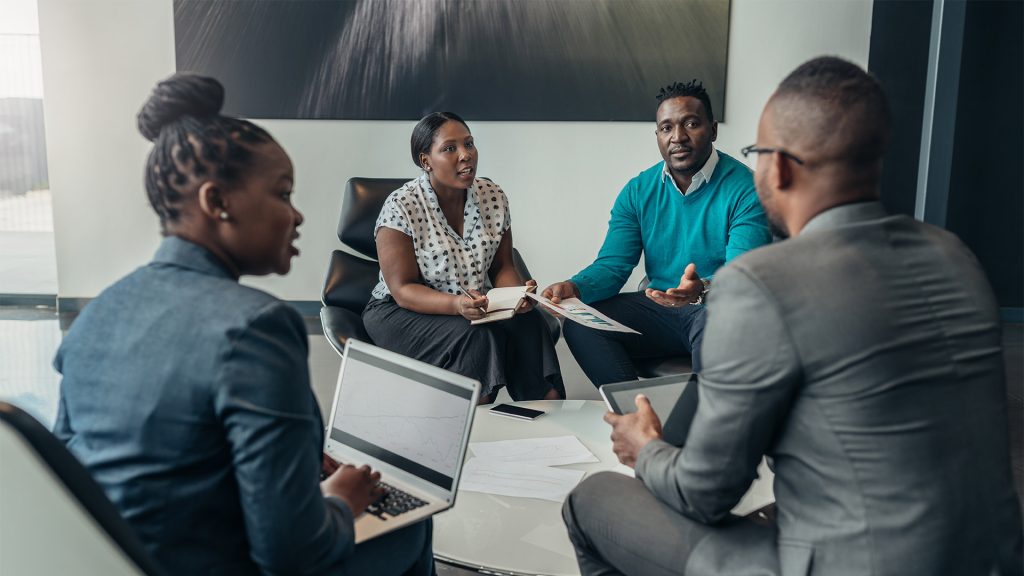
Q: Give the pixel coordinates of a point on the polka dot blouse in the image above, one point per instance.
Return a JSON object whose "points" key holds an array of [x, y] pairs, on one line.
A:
{"points": [[447, 260]]}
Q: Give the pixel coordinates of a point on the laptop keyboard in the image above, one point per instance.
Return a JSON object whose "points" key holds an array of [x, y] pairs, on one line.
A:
{"points": [[394, 503]]}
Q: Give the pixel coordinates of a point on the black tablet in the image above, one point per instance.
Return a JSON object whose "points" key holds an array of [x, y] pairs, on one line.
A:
{"points": [[674, 399]]}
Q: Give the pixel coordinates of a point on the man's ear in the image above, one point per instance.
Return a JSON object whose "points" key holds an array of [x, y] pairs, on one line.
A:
{"points": [[714, 131], [212, 201], [781, 173]]}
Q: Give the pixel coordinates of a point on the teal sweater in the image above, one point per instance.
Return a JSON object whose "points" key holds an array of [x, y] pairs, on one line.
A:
{"points": [[709, 227]]}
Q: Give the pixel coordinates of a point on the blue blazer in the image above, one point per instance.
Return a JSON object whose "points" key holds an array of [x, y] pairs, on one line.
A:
{"points": [[187, 397]]}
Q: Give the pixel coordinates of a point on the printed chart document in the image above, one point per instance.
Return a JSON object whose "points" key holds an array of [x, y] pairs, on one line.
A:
{"points": [[579, 312], [518, 479], [554, 451], [502, 303]]}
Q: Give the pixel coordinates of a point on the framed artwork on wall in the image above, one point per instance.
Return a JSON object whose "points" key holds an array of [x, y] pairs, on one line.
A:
{"points": [[541, 60]]}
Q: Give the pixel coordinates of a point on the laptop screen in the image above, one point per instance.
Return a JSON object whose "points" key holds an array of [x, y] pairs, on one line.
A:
{"points": [[401, 416]]}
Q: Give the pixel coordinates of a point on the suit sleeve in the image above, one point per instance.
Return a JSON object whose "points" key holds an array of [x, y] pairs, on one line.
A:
{"points": [[748, 226], [619, 254], [267, 409], [62, 424], [750, 375]]}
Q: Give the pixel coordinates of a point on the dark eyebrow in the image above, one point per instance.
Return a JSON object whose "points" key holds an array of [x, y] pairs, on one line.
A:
{"points": [[682, 118]]}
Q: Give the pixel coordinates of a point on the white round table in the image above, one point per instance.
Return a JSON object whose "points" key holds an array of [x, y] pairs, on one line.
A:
{"points": [[520, 536]]}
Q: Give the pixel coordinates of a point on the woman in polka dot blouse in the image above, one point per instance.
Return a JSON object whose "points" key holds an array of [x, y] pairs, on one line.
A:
{"points": [[442, 240]]}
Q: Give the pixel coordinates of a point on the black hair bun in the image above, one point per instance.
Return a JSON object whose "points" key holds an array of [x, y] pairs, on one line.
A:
{"points": [[180, 95]]}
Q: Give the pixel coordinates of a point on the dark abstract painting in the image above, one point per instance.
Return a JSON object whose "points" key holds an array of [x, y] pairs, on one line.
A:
{"points": [[485, 59]]}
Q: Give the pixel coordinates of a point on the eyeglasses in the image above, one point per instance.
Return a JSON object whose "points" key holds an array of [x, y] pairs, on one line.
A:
{"points": [[753, 149]]}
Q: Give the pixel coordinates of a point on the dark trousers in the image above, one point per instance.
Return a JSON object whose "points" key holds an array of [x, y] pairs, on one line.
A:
{"points": [[408, 551], [517, 353], [608, 356], [618, 527]]}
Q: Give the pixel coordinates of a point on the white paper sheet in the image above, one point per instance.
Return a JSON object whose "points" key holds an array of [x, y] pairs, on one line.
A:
{"points": [[577, 311], [554, 451], [760, 494], [518, 479]]}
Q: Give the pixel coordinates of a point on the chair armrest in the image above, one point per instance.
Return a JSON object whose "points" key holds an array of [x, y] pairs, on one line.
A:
{"points": [[340, 325]]}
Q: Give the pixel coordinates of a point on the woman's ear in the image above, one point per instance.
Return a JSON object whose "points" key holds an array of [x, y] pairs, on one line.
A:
{"points": [[212, 201], [424, 163]]}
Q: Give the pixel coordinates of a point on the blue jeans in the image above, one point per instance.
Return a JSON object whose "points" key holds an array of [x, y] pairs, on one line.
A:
{"points": [[608, 356]]}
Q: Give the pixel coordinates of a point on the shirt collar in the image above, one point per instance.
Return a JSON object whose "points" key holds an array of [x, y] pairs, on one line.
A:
{"points": [[177, 251], [846, 214], [700, 178]]}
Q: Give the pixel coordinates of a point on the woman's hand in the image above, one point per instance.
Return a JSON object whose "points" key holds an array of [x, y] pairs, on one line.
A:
{"points": [[328, 466], [358, 487], [472, 307], [527, 304]]}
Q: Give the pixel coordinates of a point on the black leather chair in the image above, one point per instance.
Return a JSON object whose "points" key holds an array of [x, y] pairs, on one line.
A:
{"points": [[55, 519], [352, 274]]}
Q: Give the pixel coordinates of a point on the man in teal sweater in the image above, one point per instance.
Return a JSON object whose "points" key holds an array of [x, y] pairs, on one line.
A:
{"points": [[688, 215]]}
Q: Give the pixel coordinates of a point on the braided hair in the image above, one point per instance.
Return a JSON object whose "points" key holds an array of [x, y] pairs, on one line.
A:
{"points": [[191, 141], [693, 88]]}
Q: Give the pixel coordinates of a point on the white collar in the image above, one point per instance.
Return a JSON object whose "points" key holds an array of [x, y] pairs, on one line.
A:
{"points": [[700, 178]]}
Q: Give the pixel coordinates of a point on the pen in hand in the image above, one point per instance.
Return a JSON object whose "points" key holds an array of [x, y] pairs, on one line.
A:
{"points": [[465, 293]]}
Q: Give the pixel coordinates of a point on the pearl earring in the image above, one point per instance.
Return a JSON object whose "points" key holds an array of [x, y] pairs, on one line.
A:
{"points": [[224, 215]]}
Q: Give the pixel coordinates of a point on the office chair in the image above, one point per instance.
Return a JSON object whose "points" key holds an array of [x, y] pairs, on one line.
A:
{"points": [[54, 518], [352, 274]]}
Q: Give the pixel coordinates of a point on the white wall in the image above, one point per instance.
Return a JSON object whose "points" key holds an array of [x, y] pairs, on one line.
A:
{"points": [[102, 57]]}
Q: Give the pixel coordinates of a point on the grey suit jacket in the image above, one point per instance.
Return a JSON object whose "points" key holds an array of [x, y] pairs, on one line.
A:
{"points": [[864, 358]]}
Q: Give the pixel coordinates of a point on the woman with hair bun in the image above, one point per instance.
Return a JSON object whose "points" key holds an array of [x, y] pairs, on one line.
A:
{"points": [[442, 239], [187, 395]]}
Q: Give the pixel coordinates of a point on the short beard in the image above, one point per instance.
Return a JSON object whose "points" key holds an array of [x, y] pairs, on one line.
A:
{"points": [[778, 231]]}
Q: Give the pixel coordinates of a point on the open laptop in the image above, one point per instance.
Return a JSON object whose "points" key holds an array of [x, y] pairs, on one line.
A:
{"points": [[673, 398], [410, 421]]}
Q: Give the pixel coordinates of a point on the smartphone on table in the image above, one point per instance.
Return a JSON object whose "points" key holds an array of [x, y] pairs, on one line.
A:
{"points": [[516, 412]]}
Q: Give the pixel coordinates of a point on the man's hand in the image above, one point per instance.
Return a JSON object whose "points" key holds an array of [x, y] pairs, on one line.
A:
{"points": [[689, 289], [631, 432], [526, 305], [561, 290], [358, 487]]}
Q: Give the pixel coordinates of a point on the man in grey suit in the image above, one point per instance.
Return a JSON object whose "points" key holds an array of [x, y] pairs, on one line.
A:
{"points": [[862, 356]]}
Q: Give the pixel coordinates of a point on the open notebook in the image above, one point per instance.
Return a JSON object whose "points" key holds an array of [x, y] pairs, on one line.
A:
{"points": [[502, 303]]}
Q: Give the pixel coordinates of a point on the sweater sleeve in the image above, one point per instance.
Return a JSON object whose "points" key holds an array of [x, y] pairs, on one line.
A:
{"points": [[748, 226]]}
